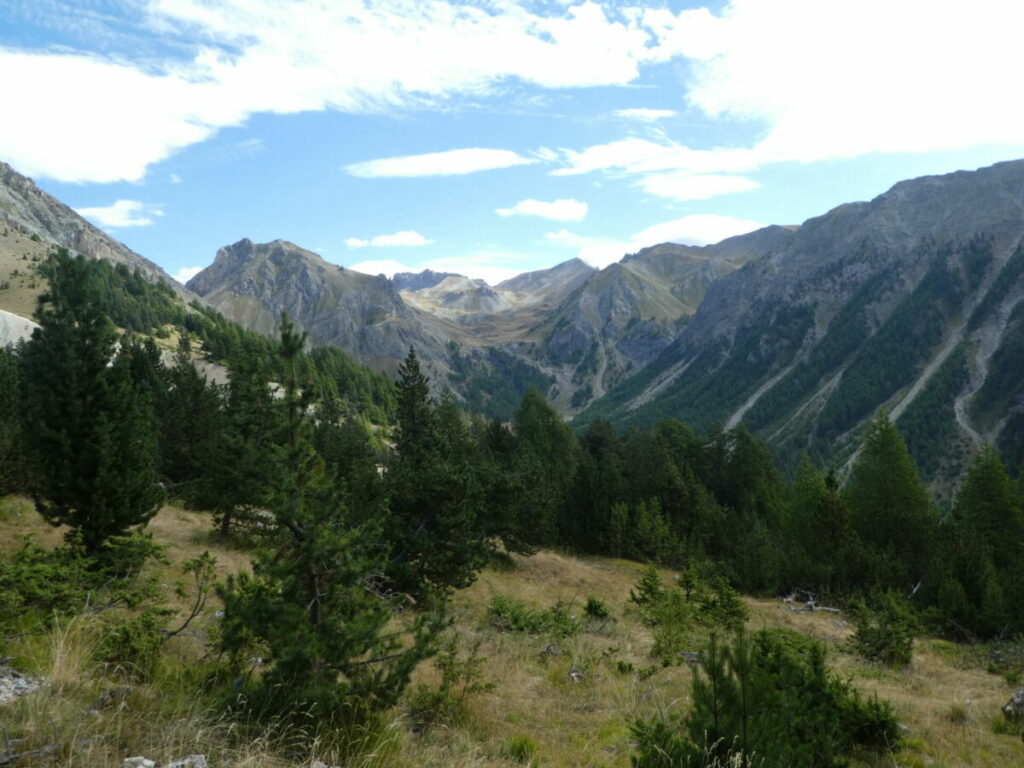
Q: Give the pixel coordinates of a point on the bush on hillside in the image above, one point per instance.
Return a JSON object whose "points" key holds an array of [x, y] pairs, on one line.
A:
{"points": [[885, 630], [769, 700]]}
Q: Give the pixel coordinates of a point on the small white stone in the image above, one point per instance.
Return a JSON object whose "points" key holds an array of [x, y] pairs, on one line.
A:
{"points": [[192, 761], [138, 762]]}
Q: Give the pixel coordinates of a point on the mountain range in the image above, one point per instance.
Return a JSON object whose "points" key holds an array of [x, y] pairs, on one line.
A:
{"points": [[572, 331], [910, 302]]}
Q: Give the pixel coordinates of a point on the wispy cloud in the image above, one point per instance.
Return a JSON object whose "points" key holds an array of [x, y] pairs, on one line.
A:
{"points": [[683, 186], [386, 267], [697, 229], [556, 210], [454, 162], [123, 213], [644, 115], [796, 70], [185, 274], [667, 168], [482, 264], [405, 238], [290, 56]]}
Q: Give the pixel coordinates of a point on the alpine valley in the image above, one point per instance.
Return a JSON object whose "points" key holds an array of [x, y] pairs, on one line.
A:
{"points": [[911, 302]]}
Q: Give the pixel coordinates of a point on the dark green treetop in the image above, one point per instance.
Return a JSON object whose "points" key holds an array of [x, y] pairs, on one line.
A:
{"points": [[90, 438]]}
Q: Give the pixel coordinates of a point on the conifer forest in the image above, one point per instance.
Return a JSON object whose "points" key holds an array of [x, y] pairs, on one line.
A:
{"points": [[357, 510]]}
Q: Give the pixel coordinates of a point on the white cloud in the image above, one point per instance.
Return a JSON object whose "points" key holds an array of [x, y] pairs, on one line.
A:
{"points": [[644, 115], [635, 155], [482, 265], [571, 239], [289, 56], [833, 79], [817, 78], [386, 267], [453, 162], [698, 229], [129, 118], [830, 78], [175, 178], [405, 238], [185, 274], [557, 210], [683, 186], [935, 78], [123, 213]]}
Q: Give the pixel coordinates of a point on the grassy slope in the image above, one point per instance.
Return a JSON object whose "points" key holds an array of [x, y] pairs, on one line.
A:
{"points": [[19, 253], [947, 700]]}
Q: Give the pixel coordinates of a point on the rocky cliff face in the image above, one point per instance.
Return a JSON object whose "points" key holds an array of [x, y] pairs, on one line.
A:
{"points": [[620, 319], [27, 209], [417, 281], [910, 302], [570, 329], [253, 284]]}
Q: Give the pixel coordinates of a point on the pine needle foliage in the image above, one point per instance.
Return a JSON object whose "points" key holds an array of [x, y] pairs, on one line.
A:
{"points": [[90, 437], [315, 606], [769, 698]]}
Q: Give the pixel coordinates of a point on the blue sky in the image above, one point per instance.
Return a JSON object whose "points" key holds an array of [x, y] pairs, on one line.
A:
{"points": [[493, 136]]}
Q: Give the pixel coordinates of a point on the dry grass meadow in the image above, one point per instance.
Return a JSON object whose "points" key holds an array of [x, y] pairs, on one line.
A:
{"points": [[568, 700]]}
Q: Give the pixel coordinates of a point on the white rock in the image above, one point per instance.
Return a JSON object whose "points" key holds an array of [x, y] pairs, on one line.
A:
{"points": [[14, 328], [138, 762], [192, 761], [14, 684]]}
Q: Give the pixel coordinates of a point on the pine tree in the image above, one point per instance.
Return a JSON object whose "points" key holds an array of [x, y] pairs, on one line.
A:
{"points": [[597, 485], [10, 424], [435, 495], [90, 434], [889, 507], [989, 509], [547, 458], [190, 421], [343, 443], [817, 532], [416, 435], [239, 462], [983, 552], [503, 486], [317, 599]]}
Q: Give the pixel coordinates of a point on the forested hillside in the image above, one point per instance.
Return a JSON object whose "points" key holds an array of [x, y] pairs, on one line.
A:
{"points": [[349, 552], [910, 302]]}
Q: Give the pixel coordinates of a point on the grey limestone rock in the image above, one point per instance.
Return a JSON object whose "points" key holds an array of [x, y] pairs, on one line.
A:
{"points": [[14, 684], [191, 761], [1014, 708]]}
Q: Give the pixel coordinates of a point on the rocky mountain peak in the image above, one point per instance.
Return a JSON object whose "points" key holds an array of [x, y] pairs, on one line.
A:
{"points": [[417, 281], [27, 208]]}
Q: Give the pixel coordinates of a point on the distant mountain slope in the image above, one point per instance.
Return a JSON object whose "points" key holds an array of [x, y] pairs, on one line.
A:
{"points": [[415, 281], [911, 301], [29, 210], [569, 330], [491, 316], [621, 318], [253, 284], [32, 222]]}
